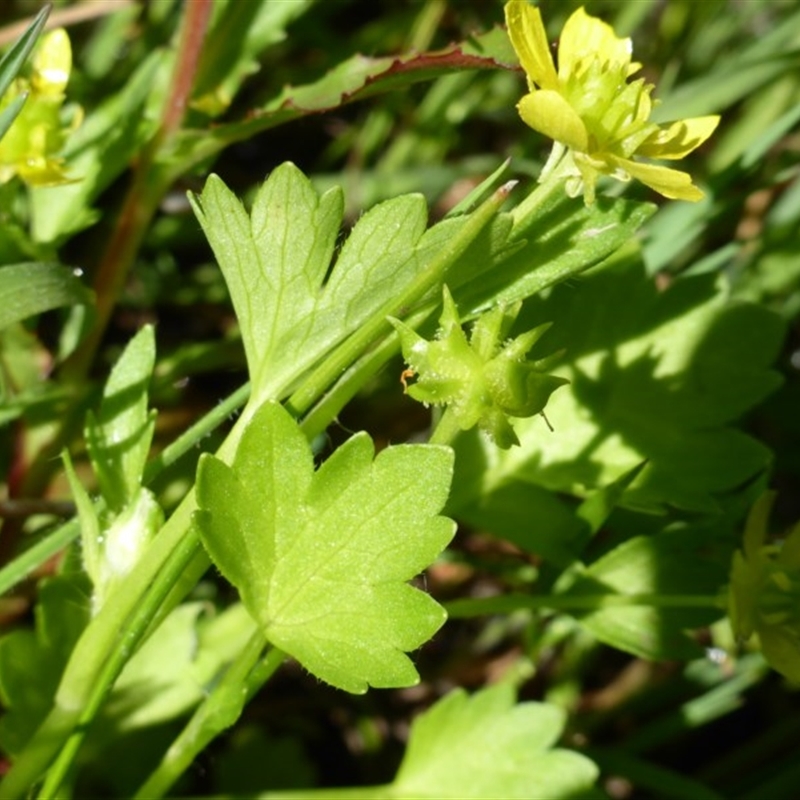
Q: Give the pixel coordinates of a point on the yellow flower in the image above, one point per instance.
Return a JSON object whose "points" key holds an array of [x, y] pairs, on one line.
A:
{"points": [[29, 148], [589, 108]]}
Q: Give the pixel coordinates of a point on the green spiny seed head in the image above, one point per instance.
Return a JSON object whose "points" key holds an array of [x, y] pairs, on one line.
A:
{"points": [[484, 380]]}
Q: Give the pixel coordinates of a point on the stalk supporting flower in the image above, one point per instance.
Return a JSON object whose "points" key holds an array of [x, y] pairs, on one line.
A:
{"points": [[599, 121]]}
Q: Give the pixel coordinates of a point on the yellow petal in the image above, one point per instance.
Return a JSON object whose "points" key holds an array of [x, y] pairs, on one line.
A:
{"points": [[43, 171], [668, 182], [52, 63], [549, 113], [587, 38], [528, 37], [679, 139]]}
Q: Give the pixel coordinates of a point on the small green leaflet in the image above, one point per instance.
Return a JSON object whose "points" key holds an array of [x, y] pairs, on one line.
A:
{"points": [[488, 746], [321, 559], [119, 434]]}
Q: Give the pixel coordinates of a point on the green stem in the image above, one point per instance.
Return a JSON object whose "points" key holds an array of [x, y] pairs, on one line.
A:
{"points": [[334, 400], [119, 656], [447, 428], [198, 431], [23, 565], [586, 602], [217, 713], [360, 342], [550, 181]]}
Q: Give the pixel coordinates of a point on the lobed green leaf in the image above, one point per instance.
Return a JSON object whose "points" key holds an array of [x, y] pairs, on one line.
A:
{"points": [[485, 746], [321, 559]]}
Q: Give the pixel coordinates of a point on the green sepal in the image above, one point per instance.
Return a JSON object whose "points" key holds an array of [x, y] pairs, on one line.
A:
{"points": [[89, 521]]}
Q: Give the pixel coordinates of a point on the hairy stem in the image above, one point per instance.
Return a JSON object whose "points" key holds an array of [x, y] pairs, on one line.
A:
{"points": [[243, 678]]}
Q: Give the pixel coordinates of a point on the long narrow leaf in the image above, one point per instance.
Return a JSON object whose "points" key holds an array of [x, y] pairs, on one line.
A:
{"points": [[9, 113], [12, 61], [29, 289]]}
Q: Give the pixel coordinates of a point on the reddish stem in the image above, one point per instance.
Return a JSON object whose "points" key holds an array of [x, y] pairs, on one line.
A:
{"points": [[195, 24], [150, 181], [146, 190]]}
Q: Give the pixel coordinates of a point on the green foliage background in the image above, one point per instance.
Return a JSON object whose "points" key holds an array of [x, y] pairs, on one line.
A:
{"points": [[681, 349]]}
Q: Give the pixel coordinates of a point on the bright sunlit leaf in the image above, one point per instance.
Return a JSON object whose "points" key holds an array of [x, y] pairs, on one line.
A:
{"points": [[322, 559], [486, 746]]}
